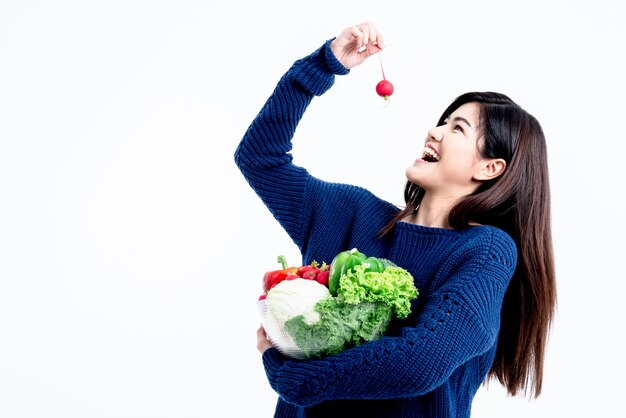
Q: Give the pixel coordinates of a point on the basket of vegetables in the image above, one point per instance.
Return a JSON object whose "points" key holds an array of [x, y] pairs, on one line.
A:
{"points": [[317, 310]]}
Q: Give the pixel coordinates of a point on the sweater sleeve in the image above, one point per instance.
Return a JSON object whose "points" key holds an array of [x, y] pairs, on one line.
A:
{"points": [[263, 155], [460, 321]]}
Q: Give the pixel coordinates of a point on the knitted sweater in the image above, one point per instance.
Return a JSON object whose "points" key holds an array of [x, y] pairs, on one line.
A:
{"points": [[428, 365]]}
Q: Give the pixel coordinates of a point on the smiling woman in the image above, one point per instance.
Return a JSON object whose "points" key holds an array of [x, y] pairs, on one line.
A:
{"points": [[474, 234], [463, 168], [506, 164]]}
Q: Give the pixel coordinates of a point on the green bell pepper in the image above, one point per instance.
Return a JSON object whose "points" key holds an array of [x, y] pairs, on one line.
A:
{"points": [[375, 264], [345, 261]]}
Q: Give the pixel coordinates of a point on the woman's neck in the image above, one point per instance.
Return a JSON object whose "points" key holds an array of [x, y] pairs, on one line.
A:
{"points": [[433, 212]]}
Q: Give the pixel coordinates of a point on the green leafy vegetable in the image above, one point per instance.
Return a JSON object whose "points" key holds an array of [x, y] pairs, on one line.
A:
{"points": [[341, 326], [393, 287], [361, 311], [308, 321]]}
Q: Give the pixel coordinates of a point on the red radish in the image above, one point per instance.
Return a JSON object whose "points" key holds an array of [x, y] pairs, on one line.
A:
{"points": [[310, 274], [322, 277], [292, 277], [384, 88]]}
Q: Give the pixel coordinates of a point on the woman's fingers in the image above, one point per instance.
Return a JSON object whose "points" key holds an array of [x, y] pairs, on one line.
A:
{"points": [[374, 37], [262, 342], [366, 34], [356, 43]]}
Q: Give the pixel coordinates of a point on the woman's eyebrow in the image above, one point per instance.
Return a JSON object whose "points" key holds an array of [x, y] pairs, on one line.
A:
{"points": [[459, 118]]}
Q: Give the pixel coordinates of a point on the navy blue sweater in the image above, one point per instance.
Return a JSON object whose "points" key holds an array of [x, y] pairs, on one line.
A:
{"points": [[428, 365]]}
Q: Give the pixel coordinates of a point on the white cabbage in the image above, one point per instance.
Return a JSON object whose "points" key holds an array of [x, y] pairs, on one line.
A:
{"points": [[291, 298]]}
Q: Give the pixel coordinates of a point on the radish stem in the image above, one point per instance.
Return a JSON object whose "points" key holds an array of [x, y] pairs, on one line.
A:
{"points": [[380, 56]]}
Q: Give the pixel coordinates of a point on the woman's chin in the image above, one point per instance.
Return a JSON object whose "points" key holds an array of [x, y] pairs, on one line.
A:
{"points": [[414, 172]]}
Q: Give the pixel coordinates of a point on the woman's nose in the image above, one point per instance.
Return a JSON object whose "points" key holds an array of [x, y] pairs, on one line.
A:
{"points": [[436, 134]]}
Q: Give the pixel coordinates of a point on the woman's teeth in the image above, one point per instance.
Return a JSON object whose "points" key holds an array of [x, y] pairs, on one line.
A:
{"points": [[430, 155]]}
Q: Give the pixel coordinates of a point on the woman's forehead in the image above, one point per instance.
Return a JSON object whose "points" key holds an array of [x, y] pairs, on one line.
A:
{"points": [[469, 111], [468, 114]]}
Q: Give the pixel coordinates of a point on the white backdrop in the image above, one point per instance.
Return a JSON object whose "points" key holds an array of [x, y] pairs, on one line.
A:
{"points": [[132, 250]]}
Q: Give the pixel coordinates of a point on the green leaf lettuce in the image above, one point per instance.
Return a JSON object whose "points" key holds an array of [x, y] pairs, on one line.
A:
{"points": [[362, 310], [341, 326], [393, 287]]}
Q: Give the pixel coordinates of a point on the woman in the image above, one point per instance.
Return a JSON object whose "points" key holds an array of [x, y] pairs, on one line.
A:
{"points": [[475, 235]]}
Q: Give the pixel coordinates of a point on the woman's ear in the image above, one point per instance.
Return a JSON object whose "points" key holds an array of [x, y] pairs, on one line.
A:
{"points": [[489, 169]]}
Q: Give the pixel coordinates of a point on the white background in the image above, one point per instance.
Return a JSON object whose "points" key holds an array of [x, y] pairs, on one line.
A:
{"points": [[132, 250]]}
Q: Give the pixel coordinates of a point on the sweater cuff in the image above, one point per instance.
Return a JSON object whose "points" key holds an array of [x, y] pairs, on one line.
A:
{"points": [[316, 72], [296, 382], [335, 66], [272, 361]]}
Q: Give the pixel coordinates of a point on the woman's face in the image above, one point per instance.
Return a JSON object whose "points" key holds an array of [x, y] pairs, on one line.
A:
{"points": [[450, 159]]}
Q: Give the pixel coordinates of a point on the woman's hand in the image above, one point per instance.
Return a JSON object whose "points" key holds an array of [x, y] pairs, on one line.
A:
{"points": [[357, 43], [262, 343]]}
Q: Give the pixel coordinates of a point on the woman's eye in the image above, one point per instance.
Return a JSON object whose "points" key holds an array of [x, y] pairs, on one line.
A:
{"points": [[458, 128]]}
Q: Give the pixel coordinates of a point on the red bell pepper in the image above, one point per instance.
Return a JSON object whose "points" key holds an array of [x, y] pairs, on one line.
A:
{"points": [[272, 278]]}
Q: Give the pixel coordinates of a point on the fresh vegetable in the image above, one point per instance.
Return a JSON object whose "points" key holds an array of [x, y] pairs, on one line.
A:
{"points": [[303, 319], [272, 278], [345, 261], [341, 326], [393, 287], [303, 270], [309, 271], [322, 277], [295, 297], [362, 311], [384, 89], [374, 264]]}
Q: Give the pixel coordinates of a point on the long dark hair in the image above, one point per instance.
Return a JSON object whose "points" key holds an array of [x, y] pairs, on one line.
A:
{"points": [[518, 202]]}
